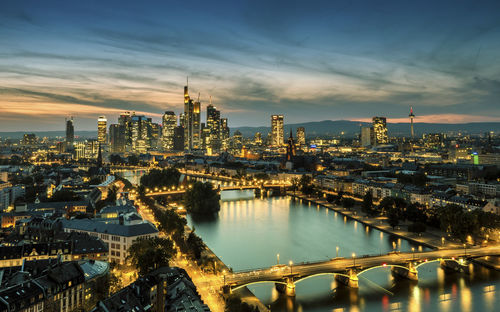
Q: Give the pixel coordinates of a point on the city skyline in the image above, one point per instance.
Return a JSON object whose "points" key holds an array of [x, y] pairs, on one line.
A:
{"points": [[341, 61]]}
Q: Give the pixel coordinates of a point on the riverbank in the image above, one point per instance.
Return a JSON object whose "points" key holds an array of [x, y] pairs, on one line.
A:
{"points": [[431, 238], [245, 294]]}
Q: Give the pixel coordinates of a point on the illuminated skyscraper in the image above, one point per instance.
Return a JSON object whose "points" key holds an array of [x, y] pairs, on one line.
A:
{"points": [[191, 122], [101, 130], [277, 132], [117, 138], [224, 133], [411, 121], [169, 124], [258, 138], [301, 136], [380, 130], [125, 120], [70, 133], [213, 124]]}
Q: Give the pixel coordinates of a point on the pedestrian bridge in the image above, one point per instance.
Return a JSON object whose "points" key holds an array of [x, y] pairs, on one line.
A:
{"points": [[347, 270]]}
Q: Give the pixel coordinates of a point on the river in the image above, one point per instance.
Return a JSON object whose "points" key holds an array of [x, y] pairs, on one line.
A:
{"points": [[250, 232]]}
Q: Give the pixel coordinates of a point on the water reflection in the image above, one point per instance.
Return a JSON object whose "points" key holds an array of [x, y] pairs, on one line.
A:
{"points": [[249, 233]]}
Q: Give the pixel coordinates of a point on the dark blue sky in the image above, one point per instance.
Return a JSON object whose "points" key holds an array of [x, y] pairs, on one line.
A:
{"points": [[309, 60]]}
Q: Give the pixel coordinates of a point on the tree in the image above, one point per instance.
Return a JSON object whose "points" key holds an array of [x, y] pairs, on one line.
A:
{"points": [[306, 186], [133, 160], [115, 159], [64, 196], [234, 303], [367, 205], [348, 202], [161, 178], [195, 245], [393, 217], [150, 253], [201, 198]]}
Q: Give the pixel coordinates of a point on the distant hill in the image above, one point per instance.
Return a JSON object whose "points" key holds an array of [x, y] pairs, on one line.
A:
{"points": [[351, 128], [50, 134], [317, 128]]}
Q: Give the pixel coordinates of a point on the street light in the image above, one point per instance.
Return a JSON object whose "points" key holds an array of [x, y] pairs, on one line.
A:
{"points": [[442, 241], [413, 253], [465, 249], [278, 258], [291, 265], [337, 248], [354, 259]]}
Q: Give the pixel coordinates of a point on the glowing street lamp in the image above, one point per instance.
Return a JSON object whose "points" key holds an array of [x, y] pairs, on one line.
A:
{"points": [[354, 259], [337, 248], [278, 258], [413, 253], [291, 265]]}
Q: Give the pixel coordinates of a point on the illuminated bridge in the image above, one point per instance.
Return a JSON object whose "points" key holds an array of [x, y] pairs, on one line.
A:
{"points": [[349, 270], [241, 186]]}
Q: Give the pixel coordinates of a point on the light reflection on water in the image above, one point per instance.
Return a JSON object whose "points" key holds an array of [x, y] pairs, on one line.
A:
{"points": [[249, 233]]}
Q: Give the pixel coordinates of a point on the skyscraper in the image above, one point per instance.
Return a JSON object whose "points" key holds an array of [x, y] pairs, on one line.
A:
{"points": [[117, 138], [139, 137], [101, 130], [367, 138], [214, 125], [380, 130], [191, 122], [301, 136], [224, 133], [70, 133], [125, 120], [169, 124], [277, 134], [178, 138], [411, 122]]}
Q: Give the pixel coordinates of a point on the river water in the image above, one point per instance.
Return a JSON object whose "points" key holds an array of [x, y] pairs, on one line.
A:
{"points": [[249, 233]]}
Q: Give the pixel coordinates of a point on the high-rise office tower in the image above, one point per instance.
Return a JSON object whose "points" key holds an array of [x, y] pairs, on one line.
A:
{"points": [[301, 136], [367, 136], [213, 123], [70, 133], [154, 133], [169, 123], [117, 138], [101, 130], [191, 122], [277, 135], [178, 138], [224, 133], [380, 130], [139, 134], [125, 120], [411, 122]]}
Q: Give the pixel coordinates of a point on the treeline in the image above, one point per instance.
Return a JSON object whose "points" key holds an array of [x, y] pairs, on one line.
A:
{"points": [[161, 178]]}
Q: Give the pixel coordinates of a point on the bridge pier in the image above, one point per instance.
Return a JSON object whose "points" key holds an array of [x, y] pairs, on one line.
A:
{"points": [[410, 273], [288, 288], [351, 280], [452, 265]]}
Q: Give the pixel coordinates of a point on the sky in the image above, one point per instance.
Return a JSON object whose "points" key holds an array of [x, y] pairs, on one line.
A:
{"points": [[308, 60]]}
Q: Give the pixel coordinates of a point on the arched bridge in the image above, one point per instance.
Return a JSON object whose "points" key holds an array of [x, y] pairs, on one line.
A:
{"points": [[347, 270], [242, 186]]}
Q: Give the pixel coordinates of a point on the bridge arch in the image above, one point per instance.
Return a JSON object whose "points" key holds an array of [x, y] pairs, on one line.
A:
{"points": [[319, 274], [383, 266], [257, 282]]}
